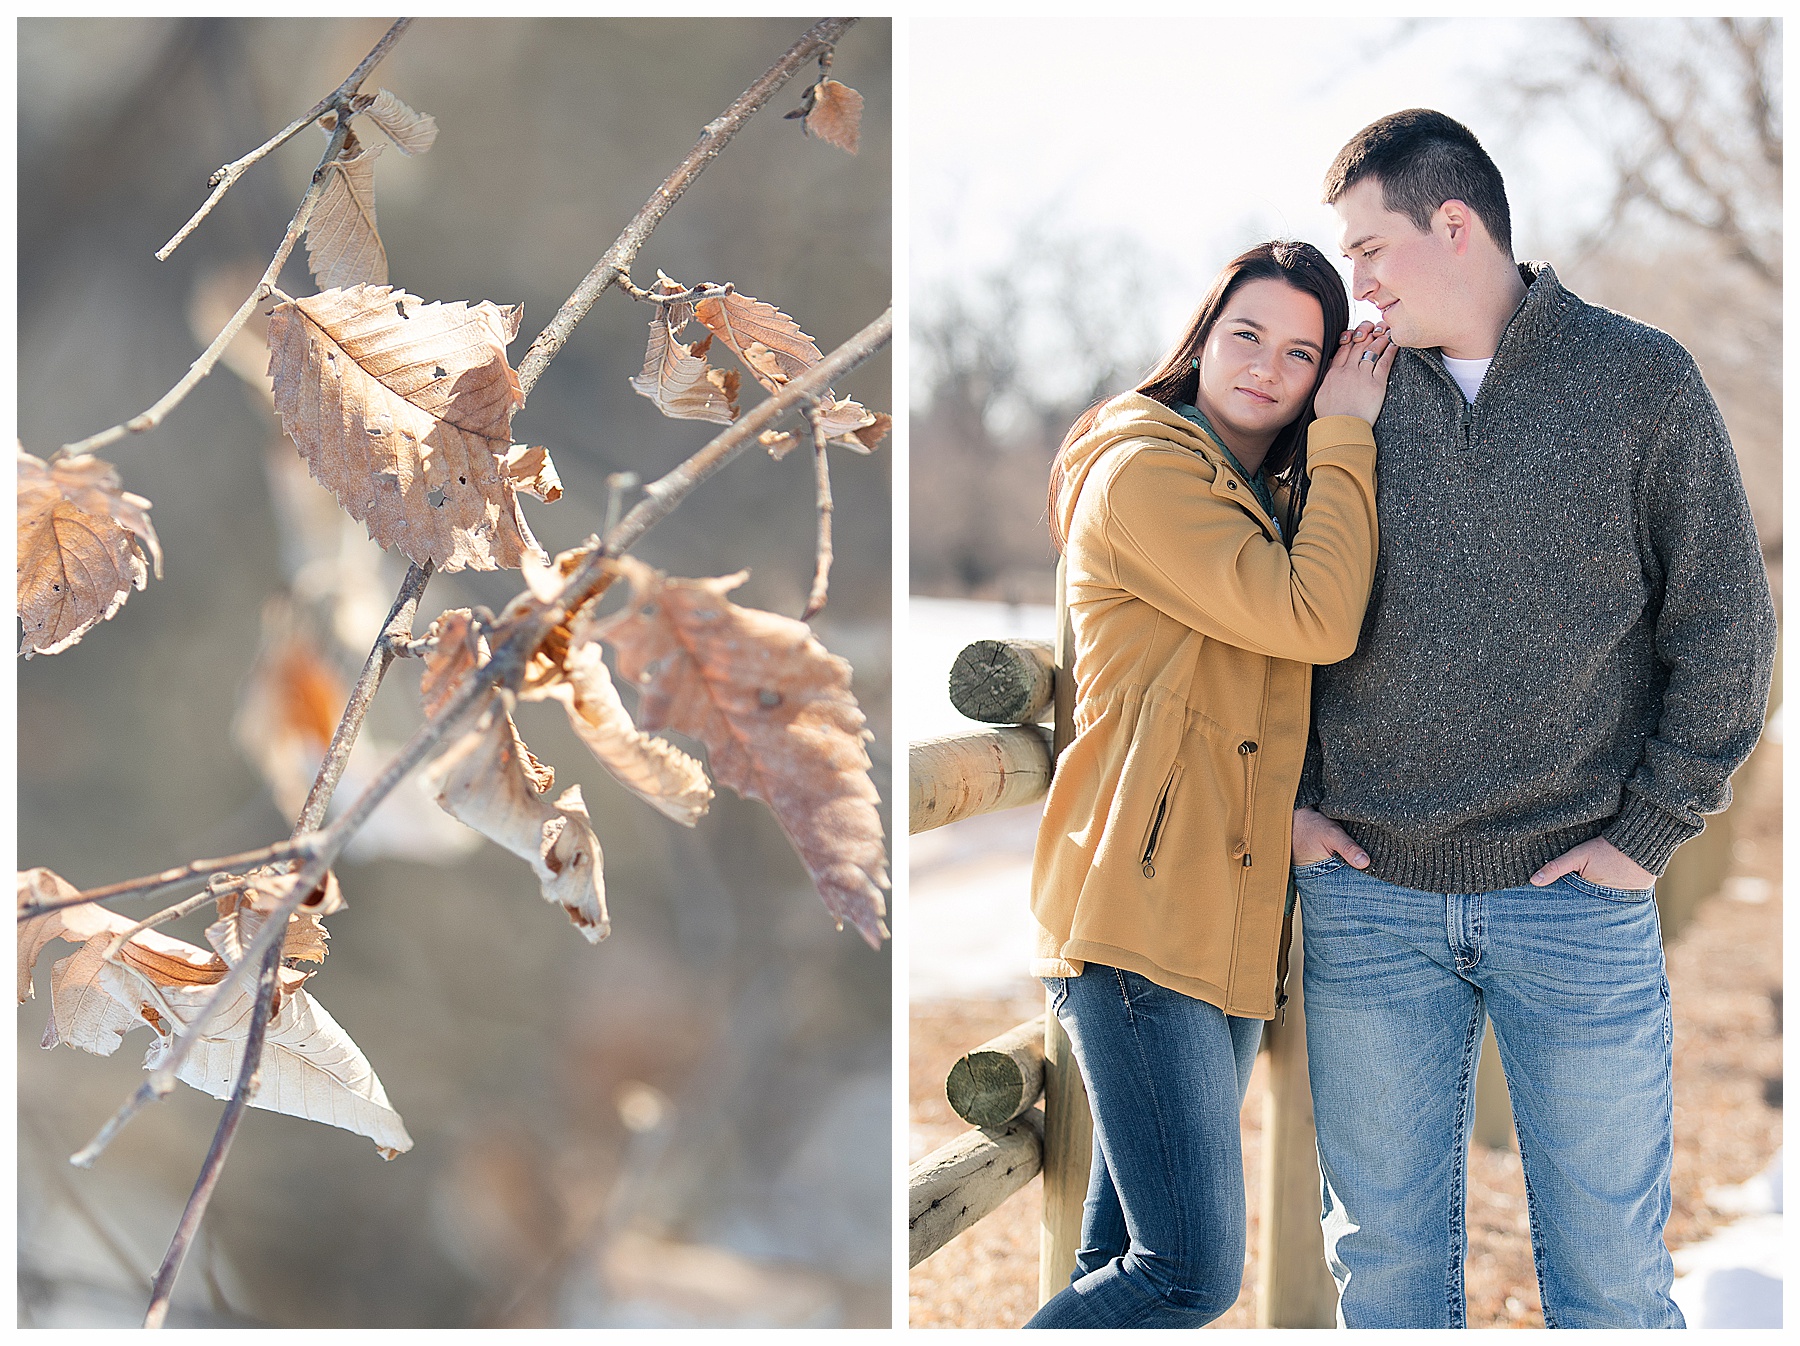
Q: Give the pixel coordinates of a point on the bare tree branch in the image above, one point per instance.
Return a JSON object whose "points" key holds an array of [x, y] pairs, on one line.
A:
{"points": [[815, 601], [248, 1072], [179, 876], [395, 631], [222, 179], [618, 259]]}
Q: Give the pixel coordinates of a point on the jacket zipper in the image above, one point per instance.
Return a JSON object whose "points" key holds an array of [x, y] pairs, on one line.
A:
{"points": [[1157, 820]]}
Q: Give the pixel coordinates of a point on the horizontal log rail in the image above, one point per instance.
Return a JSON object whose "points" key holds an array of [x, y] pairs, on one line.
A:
{"points": [[961, 775], [965, 1181], [999, 1079]]}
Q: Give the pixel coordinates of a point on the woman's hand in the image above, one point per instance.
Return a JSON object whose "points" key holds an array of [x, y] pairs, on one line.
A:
{"points": [[1356, 383]]}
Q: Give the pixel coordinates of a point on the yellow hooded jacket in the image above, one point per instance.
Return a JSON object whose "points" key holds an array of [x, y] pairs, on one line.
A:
{"points": [[1165, 842]]}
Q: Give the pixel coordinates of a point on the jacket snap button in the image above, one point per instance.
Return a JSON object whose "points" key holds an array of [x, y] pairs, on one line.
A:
{"points": [[1230, 485], [1246, 747]]}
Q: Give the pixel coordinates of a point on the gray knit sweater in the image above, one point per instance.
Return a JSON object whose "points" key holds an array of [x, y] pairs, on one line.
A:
{"points": [[1570, 634]]}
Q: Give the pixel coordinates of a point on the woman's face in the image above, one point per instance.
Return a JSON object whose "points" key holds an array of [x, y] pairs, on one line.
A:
{"points": [[1260, 363]]}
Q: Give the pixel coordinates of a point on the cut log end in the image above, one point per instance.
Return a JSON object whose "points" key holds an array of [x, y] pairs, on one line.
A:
{"points": [[1004, 681]]}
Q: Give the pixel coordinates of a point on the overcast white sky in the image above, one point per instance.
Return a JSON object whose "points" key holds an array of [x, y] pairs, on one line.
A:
{"points": [[1202, 136]]}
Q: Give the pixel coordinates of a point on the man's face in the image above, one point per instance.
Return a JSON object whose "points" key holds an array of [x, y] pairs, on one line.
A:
{"points": [[1403, 270]]}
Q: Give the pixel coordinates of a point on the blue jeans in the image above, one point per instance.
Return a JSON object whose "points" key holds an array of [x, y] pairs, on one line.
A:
{"points": [[1397, 983], [1162, 1230]]}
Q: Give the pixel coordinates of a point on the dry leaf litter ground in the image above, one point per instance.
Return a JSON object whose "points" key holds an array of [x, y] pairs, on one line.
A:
{"points": [[1725, 981]]}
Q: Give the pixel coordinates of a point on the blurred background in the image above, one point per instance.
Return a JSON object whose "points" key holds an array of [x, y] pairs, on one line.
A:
{"points": [[689, 1124], [1075, 187]]}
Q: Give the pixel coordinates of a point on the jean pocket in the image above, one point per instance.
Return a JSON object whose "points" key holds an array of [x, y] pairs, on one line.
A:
{"points": [[1592, 889], [1319, 868], [1058, 987]]}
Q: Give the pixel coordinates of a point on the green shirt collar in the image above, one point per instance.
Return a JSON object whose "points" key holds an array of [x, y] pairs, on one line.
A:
{"points": [[1259, 483]]}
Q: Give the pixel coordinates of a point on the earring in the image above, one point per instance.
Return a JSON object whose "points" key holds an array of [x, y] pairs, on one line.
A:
{"points": [[1194, 363]]}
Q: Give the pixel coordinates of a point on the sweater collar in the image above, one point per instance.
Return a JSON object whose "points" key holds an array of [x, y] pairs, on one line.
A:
{"points": [[1538, 315]]}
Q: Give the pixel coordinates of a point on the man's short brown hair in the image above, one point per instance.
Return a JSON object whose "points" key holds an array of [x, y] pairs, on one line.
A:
{"points": [[1422, 159]]}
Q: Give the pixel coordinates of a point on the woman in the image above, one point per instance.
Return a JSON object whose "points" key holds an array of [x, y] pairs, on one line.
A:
{"points": [[1219, 542]]}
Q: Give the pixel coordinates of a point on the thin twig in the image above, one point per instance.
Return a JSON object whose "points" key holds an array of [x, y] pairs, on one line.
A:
{"points": [[162, 917], [815, 601], [153, 417], [618, 259], [291, 849], [248, 1072], [397, 627], [222, 179], [705, 290]]}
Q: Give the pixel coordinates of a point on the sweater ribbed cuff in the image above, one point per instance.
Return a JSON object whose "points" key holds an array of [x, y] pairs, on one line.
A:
{"points": [[1646, 834]]}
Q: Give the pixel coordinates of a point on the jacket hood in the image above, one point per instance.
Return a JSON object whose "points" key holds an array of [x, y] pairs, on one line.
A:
{"points": [[1127, 416]]}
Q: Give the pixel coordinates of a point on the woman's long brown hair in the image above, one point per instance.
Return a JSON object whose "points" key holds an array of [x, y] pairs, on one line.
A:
{"points": [[1176, 380]]}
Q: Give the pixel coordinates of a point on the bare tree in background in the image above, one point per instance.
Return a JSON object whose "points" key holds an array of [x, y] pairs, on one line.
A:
{"points": [[1689, 114], [1002, 365]]}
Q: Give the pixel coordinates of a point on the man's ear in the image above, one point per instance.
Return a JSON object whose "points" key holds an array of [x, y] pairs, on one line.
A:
{"points": [[1454, 222]]}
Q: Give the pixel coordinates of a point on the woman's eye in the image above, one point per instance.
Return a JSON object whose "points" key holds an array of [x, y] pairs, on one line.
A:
{"points": [[1304, 355], [1248, 336]]}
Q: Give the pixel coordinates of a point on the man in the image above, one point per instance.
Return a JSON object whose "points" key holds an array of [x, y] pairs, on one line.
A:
{"points": [[1567, 653]]}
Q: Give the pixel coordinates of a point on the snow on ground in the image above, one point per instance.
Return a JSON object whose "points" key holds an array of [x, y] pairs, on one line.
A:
{"points": [[970, 894], [1733, 1279]]}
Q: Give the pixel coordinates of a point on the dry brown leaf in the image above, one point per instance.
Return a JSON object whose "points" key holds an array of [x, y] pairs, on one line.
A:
{"points": [[82, 545], [289, 707], [779, 443], [77, 925], [343, 246], [247, 900], [654, 769], [310, 1068], [853, 425], [836, 115], [95, 1001], [775, 711], [771, 344], [677, 378], [489, 780], [529, 469], [404, 409], [412, 132]]}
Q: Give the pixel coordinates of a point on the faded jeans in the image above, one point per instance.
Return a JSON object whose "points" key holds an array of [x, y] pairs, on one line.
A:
{"points": [[1162, 1230], [1397, 983]]}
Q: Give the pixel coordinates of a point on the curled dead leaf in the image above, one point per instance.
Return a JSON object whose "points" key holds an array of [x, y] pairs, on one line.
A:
{"points": [[343, 245], [83, 541], [775, 711], [77, 925], [412, 132], [310, 1068], [768, 341], [489, 780], [677, 378], [852, 425], [654, 769], [404, 409], [835, 115], [779, 443]]}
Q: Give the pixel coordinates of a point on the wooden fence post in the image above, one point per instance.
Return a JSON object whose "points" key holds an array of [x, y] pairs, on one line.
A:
{"points": [[1068, 1124], [1296, 1289]]}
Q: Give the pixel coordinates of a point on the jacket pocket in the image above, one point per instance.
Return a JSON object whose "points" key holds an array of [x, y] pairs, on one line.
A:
{"points": [[1159, 822]]}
